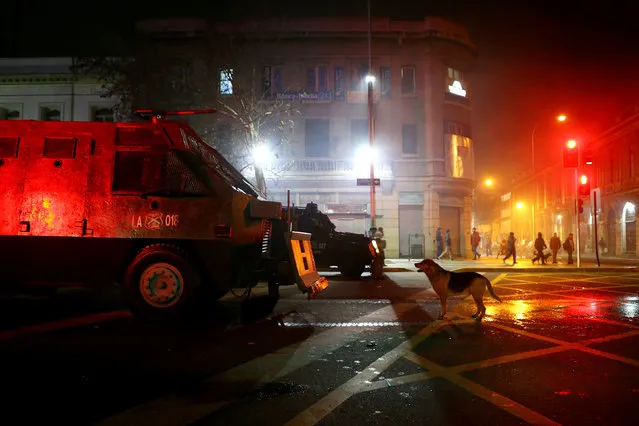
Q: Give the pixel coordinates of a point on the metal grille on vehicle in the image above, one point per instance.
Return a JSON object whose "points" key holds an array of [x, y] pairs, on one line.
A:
{"points": [[267, 230]]}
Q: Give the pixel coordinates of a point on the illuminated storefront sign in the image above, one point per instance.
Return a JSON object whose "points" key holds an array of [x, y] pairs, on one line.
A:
{"points": [[457, 89]]}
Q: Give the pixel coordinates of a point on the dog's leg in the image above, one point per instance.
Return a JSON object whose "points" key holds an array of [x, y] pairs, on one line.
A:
{"points": [[477, 290], [442, 300]]}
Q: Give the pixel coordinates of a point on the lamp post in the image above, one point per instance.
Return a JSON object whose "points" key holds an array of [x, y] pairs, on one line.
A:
{"points": [[370, 79], [561, 119]]}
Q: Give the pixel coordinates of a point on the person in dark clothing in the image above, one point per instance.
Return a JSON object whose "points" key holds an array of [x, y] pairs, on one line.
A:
{"points": [[569, 247], [475, 239], [555, 245], [439, 242], [449, 246], [540, 246], [511, 248]]}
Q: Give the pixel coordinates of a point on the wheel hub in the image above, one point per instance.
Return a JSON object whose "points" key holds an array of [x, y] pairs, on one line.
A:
{"points": [[161, 285]]}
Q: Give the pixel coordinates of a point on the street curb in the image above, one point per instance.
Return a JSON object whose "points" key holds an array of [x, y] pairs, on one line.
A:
{"points": [[532, 270], [552, 270]]}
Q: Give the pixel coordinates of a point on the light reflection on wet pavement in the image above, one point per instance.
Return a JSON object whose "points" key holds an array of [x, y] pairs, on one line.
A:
{"points": [[559, 350]]}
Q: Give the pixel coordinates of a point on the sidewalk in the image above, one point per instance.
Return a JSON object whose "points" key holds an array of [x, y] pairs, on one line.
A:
{"points": [[492, 264]]}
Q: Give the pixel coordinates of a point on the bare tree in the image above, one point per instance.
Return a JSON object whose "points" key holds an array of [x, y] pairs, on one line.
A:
{"points": [[215, 72]]}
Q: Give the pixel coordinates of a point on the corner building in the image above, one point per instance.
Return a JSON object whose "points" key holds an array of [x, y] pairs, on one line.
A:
{"points": [[424, 152]]}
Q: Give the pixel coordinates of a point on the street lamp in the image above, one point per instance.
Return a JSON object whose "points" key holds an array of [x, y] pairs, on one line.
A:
{"points": [[370, 79], [560, 119]]}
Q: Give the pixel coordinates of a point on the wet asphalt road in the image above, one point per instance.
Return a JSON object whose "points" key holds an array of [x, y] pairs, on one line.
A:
{"points": [[563, 348]]}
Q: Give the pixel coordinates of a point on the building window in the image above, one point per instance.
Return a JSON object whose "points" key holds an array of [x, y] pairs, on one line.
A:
{"points": [[272, 81], [358, 77], [317, 79], [359, 132], [453, 128], [226, 82], [51, 112], [102, 114], [409, 139], [10, 112], [340, 89], [455, 83], [385, 81], [317, 138], [408, 80]]}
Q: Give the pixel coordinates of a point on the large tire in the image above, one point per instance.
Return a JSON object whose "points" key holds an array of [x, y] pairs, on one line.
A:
{"points": [[352, 270], [160, 283]]}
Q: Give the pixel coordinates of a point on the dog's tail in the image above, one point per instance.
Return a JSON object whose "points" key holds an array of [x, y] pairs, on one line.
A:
{"points": [[491, 291]]}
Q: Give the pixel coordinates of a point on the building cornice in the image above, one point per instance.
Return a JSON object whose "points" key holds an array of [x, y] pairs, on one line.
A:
{"points": [[433, 28], [34, 79]]}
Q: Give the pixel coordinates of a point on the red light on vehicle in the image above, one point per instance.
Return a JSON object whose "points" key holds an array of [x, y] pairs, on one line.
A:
{"points": [[223, 231], [192, 112]]}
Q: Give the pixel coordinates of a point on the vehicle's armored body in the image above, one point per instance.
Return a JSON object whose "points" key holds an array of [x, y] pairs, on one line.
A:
{"points": [[351, 253], [148, 205]]}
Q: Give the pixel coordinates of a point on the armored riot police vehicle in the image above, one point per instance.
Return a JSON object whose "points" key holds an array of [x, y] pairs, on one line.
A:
{"points": [[146, 204]]}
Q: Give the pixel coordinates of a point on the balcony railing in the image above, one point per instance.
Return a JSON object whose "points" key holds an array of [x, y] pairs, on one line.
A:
{"points": [[329, 166]]}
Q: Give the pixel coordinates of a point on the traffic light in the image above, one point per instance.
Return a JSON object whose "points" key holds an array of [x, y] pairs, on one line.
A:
{"points": [[571, 155], [584, 186], [580, 205]]}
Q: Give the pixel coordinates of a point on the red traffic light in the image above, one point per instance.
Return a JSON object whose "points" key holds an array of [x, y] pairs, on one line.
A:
{"points": [[584, 186], [571, 154]]}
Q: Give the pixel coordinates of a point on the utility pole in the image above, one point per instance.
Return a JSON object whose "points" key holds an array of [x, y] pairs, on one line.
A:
{"points": [[371, 123], [577, 216]]}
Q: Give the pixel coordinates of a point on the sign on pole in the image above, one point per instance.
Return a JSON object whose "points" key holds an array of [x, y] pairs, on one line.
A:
{"points": [[367, 182], [595, 198]]}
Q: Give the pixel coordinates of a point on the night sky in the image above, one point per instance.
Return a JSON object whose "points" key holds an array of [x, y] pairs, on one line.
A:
{"points": [[536, 58]]}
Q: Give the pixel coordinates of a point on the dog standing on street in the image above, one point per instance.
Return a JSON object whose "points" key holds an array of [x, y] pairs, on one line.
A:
{"points": [[450, 283]]}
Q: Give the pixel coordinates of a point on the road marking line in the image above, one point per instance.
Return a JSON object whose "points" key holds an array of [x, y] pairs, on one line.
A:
{"points": [[178, 409], [612, 322], [64, 324], [609, 355], [611, 289], [492, 397], [398, 381], [498, 278], [572, 345], [529, 293], [334, 399]]}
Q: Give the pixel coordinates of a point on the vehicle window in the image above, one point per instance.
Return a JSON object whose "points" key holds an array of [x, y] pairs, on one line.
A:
{"points": [[59, 147], [161, 174], [140, 136], [136, 171], [9, 147]]}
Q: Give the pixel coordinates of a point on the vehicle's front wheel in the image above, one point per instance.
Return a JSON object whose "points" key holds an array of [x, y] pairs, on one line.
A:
{"points": [[160, 283], [352, 270]]}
